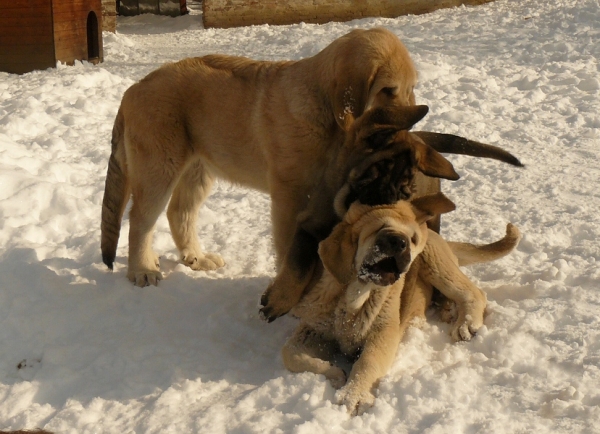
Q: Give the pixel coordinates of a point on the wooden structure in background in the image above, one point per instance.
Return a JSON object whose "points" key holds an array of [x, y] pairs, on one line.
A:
{"points": [[173, 8], [234, 13], [109, 15], [35, 34]]}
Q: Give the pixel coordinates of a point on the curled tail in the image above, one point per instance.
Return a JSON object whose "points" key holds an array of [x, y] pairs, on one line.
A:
{"points": [[116, 194], [468, 253]]}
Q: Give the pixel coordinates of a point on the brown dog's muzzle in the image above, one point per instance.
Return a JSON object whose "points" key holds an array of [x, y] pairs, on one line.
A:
{"points": [[387, 261]]}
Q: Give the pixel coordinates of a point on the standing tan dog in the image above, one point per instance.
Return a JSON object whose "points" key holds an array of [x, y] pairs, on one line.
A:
{"points": [[272, 126], [363, 300]]}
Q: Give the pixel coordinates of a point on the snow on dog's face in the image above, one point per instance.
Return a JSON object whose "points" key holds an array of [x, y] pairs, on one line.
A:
{"points": [[387, 245], [377, 244]]}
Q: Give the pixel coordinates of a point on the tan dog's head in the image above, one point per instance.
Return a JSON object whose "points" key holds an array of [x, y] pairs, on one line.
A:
{"points": [[377, 244], [371, 68]]}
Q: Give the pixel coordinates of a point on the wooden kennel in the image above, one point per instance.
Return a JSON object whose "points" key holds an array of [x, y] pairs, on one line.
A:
{"points": [[35, 34]]}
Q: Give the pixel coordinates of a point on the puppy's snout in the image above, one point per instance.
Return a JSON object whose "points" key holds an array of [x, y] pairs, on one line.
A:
{"points": [[392, 243], [389, 258]]}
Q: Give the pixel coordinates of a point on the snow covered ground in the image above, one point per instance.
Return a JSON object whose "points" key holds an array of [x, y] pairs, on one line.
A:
{"points": [[83, 351]]}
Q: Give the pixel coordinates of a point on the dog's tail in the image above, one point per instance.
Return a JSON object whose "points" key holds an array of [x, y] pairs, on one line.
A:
{"points": [[468, 253], [116, 193]]}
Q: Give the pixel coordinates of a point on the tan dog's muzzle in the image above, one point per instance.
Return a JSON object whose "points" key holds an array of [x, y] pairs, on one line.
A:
{"points": [[388, 259]]}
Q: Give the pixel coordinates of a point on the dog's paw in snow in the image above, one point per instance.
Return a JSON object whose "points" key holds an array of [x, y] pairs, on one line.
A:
{"points": [[356, 400], [464, 330]]}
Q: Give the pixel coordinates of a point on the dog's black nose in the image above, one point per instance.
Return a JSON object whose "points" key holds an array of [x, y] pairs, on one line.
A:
{"points": [[392, 243]]}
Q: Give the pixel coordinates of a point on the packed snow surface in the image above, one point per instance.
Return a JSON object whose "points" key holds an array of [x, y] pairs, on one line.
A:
{"points": [[83, 351]]}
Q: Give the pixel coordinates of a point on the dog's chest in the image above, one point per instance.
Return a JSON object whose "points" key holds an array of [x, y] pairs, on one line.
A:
{"points": [[355, 314], [342, 314]]}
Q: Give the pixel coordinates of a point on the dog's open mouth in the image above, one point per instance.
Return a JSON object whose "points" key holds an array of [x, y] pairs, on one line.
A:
{"points": [[384, 271]]}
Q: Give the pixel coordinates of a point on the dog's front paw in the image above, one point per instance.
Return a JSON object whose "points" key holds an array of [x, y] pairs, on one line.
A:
{"points": [[143, 278], [356, 400], [274, 303], [201, 261], [465, 329]]}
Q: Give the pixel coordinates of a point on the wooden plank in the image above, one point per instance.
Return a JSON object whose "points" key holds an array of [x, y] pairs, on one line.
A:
{"points": [[27, 50], [69, 57], [24, 4], [9, 14], [22, 68], [76, 26], [228, 13], [64, 9], [29, 55], [21, 21], [71, 44], [69, 40], [26, 36]]}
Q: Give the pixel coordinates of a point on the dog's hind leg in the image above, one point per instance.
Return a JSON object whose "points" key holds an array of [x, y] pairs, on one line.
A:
{"points": [[152, 180], [190, 192], [307, 351], [143, 266]]}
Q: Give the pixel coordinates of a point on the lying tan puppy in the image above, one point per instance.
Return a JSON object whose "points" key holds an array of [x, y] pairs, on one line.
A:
{"points": [[354, 308]]}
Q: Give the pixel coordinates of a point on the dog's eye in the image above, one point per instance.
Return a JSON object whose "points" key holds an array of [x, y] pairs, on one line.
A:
{"points": [[389, 91], [415, 239]]}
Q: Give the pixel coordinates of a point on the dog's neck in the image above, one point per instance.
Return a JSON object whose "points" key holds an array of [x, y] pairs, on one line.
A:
{"points": [[359, 307], [361, 297], [358, 293]]}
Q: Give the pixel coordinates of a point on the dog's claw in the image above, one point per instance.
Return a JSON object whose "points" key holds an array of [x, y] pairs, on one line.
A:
{"points": [[465, 330], [145, 278], [266, 314], [265, 311], [199, 261]]}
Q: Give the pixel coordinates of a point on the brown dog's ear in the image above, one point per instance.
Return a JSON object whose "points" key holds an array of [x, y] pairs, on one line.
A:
{"points": [[389, 120], [451, 144], [337, 253], [432, 163], [427, 207]]}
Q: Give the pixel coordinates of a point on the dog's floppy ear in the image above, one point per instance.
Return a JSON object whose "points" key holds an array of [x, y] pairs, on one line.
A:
{"points": [[427, 207], [377, 125], [451, 144], [351, 91], [337, 253], [367, 68], [432, 163]]}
